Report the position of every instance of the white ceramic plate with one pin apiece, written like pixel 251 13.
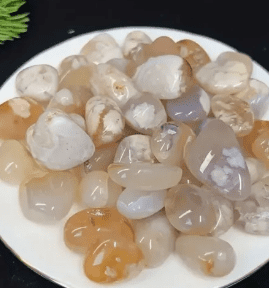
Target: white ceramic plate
pixel 42 248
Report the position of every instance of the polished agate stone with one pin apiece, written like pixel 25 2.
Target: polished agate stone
pixel 155 236
pixel 132 40
pixel 104 120
pixel 256 168
pixel 79 120
pixel 101 159
pixel 113 260
pixel 119 63
pixel 144 113
pixel 234 112
pixel 256 94
pixel 101 49
pixel 193 53
pixel 145 176
pixel 17 115
pixel 166 76
pixel 189 209
pixel 194 105
pixel 260 147
pixel 169 141
pixel 138 204
pixel 58 142
pixel 16 162
pixel 228 74
pixel 98 190
pixel 90 226
pixel 109 81
pixel 47 197
pixel 134 148
pixel 215 159
pixel 187 177
pixel 212 256
pixel 260 192
pixel 39 82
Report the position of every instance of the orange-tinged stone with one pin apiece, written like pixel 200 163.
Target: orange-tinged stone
pixel 260 147
pixel 17 115
pixel 88 226
pixel 260 126
pixel 113 260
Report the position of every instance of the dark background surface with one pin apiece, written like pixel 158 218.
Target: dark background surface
pixel 243 26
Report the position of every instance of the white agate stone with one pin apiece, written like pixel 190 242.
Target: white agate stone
pixel 256 169
pixel 78 119
pixel 40 82
pixel 132 40
pixel 156 237
pixel 138 204
pixel 101 49
pixel 58 142
pixel 161 76
pixel 119 63
pixel 134 148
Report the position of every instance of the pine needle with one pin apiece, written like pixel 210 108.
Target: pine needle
pixel 12 25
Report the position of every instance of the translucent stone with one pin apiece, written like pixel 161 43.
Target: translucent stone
pixel 16 163
pixel 248 140
pixel 193 53
pixel 85 228
pixel 132 40
pixel 79 120
pixel 134 148
pixel 166 76
pixel 256 169
pixel 212 256
pixel 187 177
pixel 101 159
pixel 260 148
pixel 169 141
pixel 234 112
pixel 71 63
pixel 69 102
pixel 113 260
pixel 39 82
pixel 144 113
pixel 17 115
pixel 119 63
pixel 228 74
pixel 101 49
pixel 155 236
pixel 104 120
pixel 257 95
pixel 215 159
pixel 145 176
pixel 109 81
pixel 189 209
pixel 98 190
pixel 47 198
pixel 260 192
pixel 194 105
pixel 138 204
pixel 58 142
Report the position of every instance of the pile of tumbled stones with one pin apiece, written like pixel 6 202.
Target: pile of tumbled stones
pixel 161 147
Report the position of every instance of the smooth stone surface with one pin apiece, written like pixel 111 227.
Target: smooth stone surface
pixel 47 197
pixel 58 142
pixel 144 113
pixel 113 260
pixel 101 49
pixel 194 105
pixel 234 112
pixel 119 63
pixel 215 159
pixel 166 76
pixel 169 141
pixel 138 204
pixel 134 148
pixel 17 115
pixel 256 168
pixel 187 177
pixel 260 148
pixel 90 226
pixel 212 256
pixel 225 75
pixel 189 209
pixel 107 80
pixel 97 190
pixel 155 236
pixel 39 82
pixel 104 120
pixel 145 176
pixel 260 192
